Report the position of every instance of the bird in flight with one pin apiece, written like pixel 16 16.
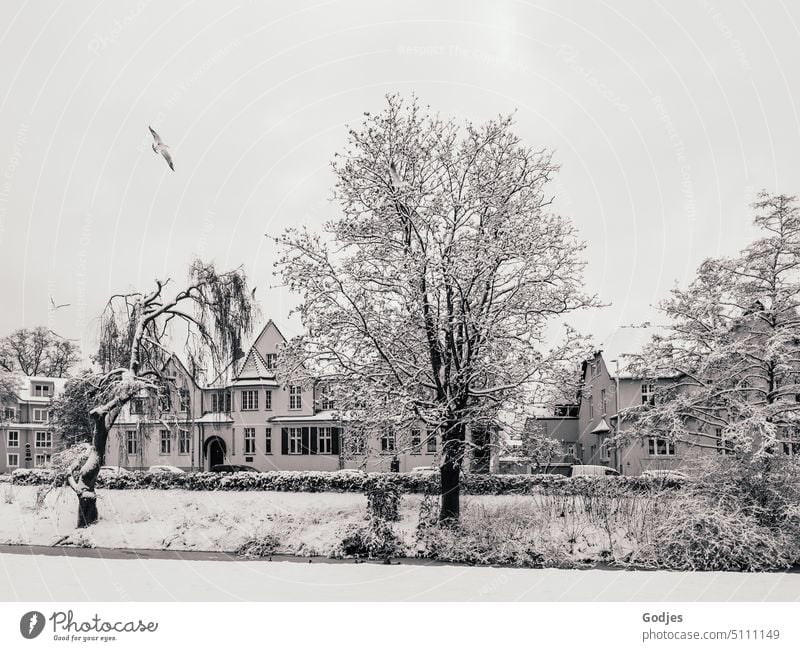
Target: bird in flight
pixel 160 148
pixel 55 307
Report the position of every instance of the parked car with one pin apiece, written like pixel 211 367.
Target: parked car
pixel 170 469
pixel 108 472
pixel 425 470
pixel 230 467
pixel 667 475
pixel 581 470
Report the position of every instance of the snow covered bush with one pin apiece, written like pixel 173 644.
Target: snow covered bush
pixel 699 534
pixel 375 539
pixel 383 498
pixel 259 546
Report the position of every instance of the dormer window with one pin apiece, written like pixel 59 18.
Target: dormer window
pixel 42 391
pixel 271 360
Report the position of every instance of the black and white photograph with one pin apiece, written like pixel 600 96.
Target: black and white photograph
pixel 400 325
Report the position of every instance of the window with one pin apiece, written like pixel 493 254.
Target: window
pixel 40 415
pixel 569 411
pixel 249 440
pixel 591 407
pixel 183 399
pixel 387 442
pixel 268 441
pixel 12 439
pixel 9 413
pixel 132 442
pixel 660 447
pixel 44 439
pixel 295 441
pixel 166 442
pixel 324 441
pixel 649 394
pixel 295 397
pixel 570 450
pixel 12 459
pixel 249 400
pixel 41 390
pixel 431 447
pixel 416 442
pixel 221 402
pixel 271 360
pixel 603 401
pixel 268 399
pixel 724 446
pixel 40 460
pixel 137 405
pixel 164 403
pixel 184 442
pixel 605 450
pixel 326 402
pixel 789 440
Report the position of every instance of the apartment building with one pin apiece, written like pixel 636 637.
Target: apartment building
pixel 26 434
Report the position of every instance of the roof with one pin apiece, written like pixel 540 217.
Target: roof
pixel 602 427
pixel 214 417
pixel 321 416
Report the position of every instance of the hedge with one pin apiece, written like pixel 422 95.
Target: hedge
pixel 313 481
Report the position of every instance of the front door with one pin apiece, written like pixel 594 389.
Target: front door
pixel 215 452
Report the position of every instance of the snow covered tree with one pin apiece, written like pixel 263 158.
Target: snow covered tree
pixel 426 302
pixel 38 351
pixel 733 345
pixel 71 416
pixel 214 311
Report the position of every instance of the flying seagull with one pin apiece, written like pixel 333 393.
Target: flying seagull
pixel 55 307
pixel 160 148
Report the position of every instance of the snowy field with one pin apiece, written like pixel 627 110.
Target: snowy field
pixel 47 578
pixel 306 524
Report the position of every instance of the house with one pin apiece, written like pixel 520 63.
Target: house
pixel 251 420
pixel 26 433
pixel 586 427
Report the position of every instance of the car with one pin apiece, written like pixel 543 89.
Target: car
pixel 230 467
pixel 584 470
pixel 666 475
pixel 109 472
pixel 425 470
pixel 167 469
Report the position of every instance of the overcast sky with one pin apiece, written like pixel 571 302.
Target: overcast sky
pixel 666 119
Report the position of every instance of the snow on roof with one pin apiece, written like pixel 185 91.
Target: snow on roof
pixel 214 417
pixel 325 415
pixel 27 381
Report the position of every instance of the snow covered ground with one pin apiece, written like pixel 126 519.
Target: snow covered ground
pixel 48 578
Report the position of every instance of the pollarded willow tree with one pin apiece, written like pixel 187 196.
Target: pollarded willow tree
pixel 210 314
pixel 426 302
pixel 733 348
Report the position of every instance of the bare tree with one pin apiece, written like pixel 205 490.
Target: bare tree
pixel 213 312
pixel 426 303
pixel 38 351
pixel 733 347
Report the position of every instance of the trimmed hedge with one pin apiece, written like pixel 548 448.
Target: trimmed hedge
pixel 313 481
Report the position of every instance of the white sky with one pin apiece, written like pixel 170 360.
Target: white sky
pixel 666 119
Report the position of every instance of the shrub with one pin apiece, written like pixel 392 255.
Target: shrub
pixel 698 534
pixel 375 539
pixel 259 546
pixel 383 498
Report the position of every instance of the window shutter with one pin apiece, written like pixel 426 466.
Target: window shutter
pixel 304 440
pixel 284 440
pixel 335 440
pixel 314 445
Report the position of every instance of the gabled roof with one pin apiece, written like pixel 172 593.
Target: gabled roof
pixel 254 367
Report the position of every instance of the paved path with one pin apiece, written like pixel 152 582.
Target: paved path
pixel 75 574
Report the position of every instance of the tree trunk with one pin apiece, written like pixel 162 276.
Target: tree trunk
pixel 85 486
pixel 453 453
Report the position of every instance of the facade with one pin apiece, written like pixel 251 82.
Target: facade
pixel 586 427
pixel 252 420
pixel 27 439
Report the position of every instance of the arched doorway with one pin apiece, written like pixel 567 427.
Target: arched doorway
pixel 214 451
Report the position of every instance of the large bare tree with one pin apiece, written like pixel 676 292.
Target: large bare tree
pixel 210 315
pixel 38 351
pixel 426 302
